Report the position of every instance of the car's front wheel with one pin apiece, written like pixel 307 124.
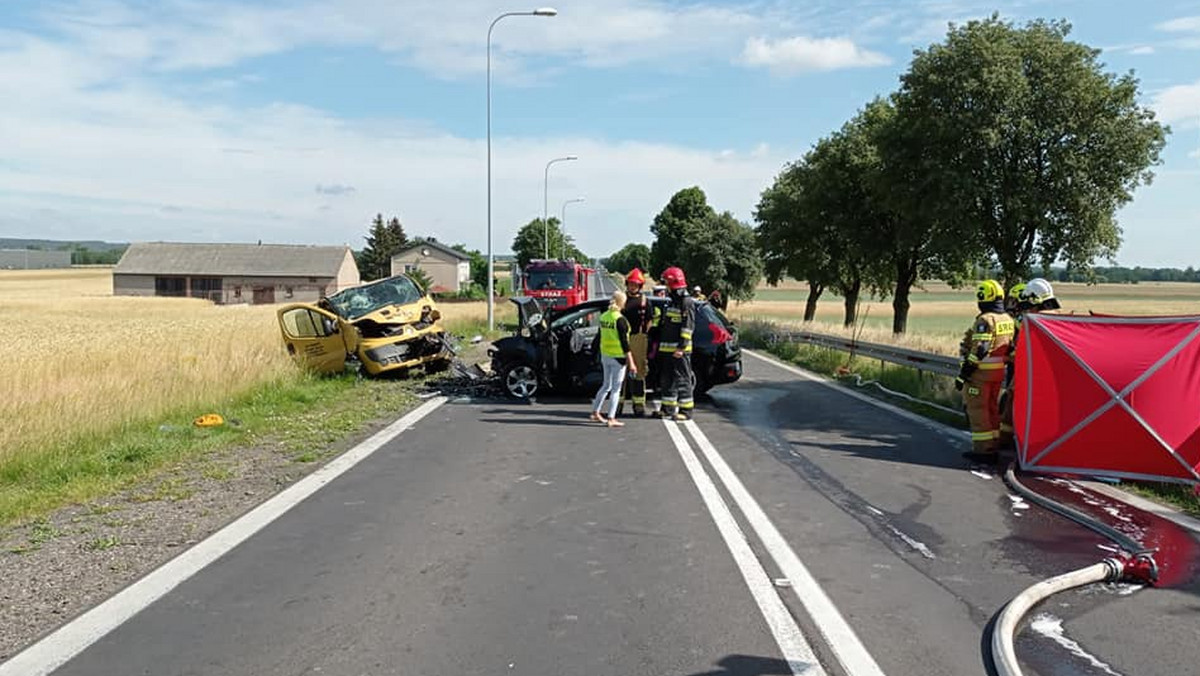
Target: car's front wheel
pixel 520 380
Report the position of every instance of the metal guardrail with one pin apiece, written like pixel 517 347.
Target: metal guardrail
pixel 922 361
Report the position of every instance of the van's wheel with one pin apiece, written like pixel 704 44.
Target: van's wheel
pixel 520 380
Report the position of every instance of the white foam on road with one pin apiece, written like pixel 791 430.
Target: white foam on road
pixel 58 648
pixel 792 644
pixel 1018 503
pixel 1051 627
pixel 845 644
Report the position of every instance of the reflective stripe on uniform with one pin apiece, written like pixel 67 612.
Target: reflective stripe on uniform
pixel 980 337
pixel 985 436
pixel 990 365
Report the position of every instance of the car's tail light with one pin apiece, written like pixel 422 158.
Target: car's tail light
pixel 720 335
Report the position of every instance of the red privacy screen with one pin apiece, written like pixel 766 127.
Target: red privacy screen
pixel 1109 396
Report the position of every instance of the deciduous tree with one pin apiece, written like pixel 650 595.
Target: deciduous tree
pixel 1017 137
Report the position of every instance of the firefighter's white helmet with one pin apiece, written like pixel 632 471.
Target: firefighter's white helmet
pixel 1037 291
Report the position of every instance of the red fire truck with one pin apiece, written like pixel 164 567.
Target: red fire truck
pixel 559 283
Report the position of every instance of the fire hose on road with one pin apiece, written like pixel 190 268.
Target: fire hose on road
pixel 1136 565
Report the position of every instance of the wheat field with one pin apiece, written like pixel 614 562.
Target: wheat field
pixel 940 314
pixel 78 361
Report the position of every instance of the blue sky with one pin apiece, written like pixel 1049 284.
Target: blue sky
pixel 204 120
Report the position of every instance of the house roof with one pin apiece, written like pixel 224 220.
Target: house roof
pixel 434 245
pixel 251 260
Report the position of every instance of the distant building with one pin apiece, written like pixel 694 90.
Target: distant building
pixel 448 269
pixel 235 273
pixel 33 259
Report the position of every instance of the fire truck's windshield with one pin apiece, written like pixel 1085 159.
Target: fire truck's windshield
pixel 541 280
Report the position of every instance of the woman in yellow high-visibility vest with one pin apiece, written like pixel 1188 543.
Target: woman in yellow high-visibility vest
pixel 615 355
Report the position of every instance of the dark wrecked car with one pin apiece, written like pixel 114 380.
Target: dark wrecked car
pixel 389 326
pixel 553 349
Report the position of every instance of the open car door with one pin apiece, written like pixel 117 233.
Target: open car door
pixel 317 339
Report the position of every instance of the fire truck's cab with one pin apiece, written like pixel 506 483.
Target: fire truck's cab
pixel 557 283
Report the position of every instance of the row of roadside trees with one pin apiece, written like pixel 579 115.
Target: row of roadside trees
pixel 1007 147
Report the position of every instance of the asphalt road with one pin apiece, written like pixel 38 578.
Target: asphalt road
pixel 501 538
pixel 602 285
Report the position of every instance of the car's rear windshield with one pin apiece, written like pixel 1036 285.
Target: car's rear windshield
pixel 362 300
pixel 706 317
pixel 541 280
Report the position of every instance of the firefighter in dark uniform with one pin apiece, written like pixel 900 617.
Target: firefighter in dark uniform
pixel 673 396
pixel 1015 306
pixel 984 352
pixel 640 314
pixel 1033 297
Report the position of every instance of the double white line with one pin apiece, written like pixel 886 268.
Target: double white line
pixel 841 639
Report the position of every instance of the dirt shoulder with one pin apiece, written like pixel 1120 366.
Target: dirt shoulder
pixel 57 567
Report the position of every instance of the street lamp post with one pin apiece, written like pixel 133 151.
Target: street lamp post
pixel 546 202
pixel 491 308
pixel 562 252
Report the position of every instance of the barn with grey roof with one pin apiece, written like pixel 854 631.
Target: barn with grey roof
pixel 235 273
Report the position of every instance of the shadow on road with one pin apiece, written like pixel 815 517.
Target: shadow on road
pixel 748 665
pixel 806 415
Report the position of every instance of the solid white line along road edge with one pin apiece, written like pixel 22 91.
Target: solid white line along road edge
pixel 846 646
pixel 796 650
pixel 58 648
pixel 907 415
pixel 1113 492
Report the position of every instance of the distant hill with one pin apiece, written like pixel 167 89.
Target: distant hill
pixel 54 245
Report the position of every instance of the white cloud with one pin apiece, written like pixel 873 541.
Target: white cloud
pixel 804 54
pixel 1142 50
pixel 445 39
pixel 1186 24
pixel 92 151
pixel 1187 27
pixel 1179 104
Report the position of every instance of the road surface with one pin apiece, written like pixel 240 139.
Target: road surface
pixel 601 285
pixel 792 530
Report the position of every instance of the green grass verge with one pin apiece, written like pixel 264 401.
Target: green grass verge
pixel 1183 498
pixel 937 389
pixel 843 368
pixel 305 415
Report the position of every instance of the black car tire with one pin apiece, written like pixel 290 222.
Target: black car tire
pixel 439 366
pixel 519 379
pixel 700 384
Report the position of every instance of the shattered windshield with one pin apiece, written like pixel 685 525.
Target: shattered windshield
pixel 362 300
pixel 540 280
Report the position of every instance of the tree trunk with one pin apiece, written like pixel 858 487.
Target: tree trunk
pixel 852 292
pixel 810 305
pixel 906 277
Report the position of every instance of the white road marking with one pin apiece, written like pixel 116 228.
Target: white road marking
pixel 58 648
pixel 945 430
pixel 846 646
pixel 792 645
pixel 1113 492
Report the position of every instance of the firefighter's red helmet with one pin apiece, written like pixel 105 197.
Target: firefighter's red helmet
pixel 674 279
pixel 635 276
